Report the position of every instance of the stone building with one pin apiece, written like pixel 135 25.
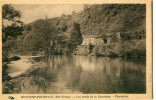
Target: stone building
pixel 93 40
pixel 100 40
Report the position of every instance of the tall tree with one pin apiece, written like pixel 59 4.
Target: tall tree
pixel 13 29
pixel 12 16
pixel 76 37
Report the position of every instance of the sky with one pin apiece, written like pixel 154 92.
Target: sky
pixel 32 12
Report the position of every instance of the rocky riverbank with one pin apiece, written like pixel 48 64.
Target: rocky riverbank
pixel 133 48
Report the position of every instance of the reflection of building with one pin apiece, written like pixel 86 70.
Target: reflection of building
pixel 85 62
pixel 99 40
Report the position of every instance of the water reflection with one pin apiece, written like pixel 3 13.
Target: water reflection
pixel 42 78
pixel 87 74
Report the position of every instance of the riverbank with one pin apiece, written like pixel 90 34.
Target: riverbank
pixel 127 49
pixel 18 72
pixel 19 67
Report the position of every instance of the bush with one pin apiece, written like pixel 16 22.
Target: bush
pixel 5 76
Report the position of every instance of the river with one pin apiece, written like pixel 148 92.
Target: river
pixel 65 74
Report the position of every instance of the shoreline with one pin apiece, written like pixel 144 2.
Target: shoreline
pixel 19 67
pixel 18 80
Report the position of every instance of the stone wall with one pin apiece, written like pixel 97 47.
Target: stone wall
pixel 134 48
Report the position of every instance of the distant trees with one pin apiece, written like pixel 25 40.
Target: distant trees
pixel 113 18
pixel 42 33
pixel 49 35
pixel 62 26
pixel 73 12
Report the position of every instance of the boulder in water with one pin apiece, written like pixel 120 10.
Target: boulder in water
pixel 14 58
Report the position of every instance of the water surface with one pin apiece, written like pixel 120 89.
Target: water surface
pixel 86 74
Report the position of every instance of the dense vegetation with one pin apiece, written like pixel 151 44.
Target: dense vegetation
pixel 63 34
pixel 99 19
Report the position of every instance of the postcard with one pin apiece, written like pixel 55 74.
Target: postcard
pixel 84 49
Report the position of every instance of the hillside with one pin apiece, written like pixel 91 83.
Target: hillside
pixel 97 19
pixel 100 19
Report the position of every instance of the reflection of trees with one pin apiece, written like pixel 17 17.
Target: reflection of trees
pixel 43 78
pixel 116 76
pixel 67 70
pixel 101 80
pixel 133 77
pixel 108 75
pixel 75 77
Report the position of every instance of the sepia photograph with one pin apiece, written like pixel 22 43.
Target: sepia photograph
pixel 74 48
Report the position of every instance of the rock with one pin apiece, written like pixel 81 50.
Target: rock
pixel 14 58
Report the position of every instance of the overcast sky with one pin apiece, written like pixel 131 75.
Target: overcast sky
pixel 31 12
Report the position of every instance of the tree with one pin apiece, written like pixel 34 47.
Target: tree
pixel 62 26
pixel 76 37
pixel 11 15
pixel 73 12
pixel 39 37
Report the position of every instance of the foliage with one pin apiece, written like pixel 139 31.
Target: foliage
pixel 100 19
pixel 62 26
pixel 10 32
pixel 12 15
pixel 38 36
pixel 9 13
pixel 76 37
pixel 5 76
